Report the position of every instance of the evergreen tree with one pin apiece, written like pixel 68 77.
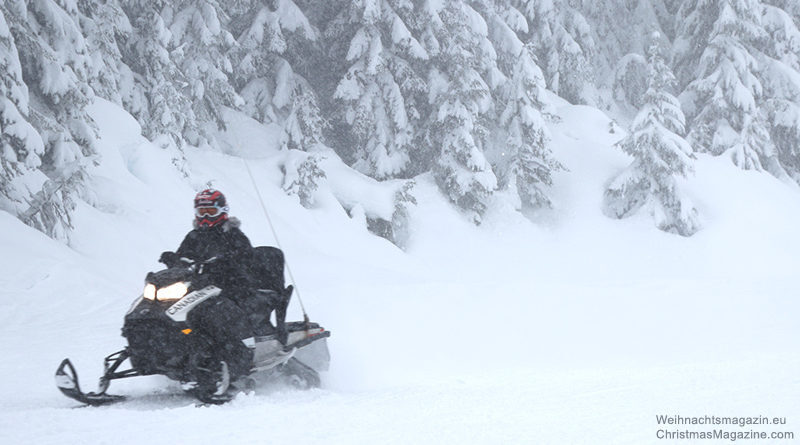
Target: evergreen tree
pixel 617 28
pixel 400 224
pixel 695 21
pixel 374 104
pixel 304 126
pixel 104 25
pixel 57 69
pixel 167 109
pixel 781 81
pixel 461 100
pixel 791 7
pixel 275 47
pixel 723 101
pixel 20 144
pixel 303 176
pixel 667 14
pixel 783 34
pixel 532 162
pixel 630 80
pixel 563 46
pixel 526 162
pixel 659 154
pixel 201 53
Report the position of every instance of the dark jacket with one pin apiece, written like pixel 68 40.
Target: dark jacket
pixel 228 244
pixel 240 270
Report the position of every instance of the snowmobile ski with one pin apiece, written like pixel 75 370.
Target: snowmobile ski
pixel 67 382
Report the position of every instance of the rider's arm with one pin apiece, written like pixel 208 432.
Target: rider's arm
pixel 188 247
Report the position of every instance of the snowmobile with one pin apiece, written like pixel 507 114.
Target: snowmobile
pixel 185 328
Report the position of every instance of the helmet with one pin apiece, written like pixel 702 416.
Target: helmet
pixel 210 208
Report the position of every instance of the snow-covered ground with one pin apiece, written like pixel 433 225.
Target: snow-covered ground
pixel 578 329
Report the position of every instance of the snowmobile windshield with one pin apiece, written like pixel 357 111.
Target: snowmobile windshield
pixel 167 277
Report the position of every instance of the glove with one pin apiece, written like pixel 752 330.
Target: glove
pixel 168 258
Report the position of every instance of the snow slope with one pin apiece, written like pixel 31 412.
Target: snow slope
pixel 578 329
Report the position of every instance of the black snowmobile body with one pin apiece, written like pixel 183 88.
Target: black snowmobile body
pixel 189 329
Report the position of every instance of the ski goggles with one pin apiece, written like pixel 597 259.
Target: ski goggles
pixel 208 211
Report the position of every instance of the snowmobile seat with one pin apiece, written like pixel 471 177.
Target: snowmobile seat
pixel 266 272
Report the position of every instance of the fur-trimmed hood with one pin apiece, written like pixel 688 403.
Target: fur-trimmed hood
pixel 231 223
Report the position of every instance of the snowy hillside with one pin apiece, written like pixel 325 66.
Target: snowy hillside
pixel 458 93
pixel 576 329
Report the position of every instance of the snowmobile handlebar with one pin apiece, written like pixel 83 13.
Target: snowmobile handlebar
pixel 209 265
pixel 172 259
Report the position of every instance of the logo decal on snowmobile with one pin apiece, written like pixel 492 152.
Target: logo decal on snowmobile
pixel 179 310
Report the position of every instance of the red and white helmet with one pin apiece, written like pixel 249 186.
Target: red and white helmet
pixel 210 208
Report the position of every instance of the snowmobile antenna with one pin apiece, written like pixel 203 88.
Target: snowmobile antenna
pixel 277 241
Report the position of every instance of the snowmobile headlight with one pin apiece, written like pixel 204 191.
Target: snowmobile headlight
pixel 149 291
pixel 172 292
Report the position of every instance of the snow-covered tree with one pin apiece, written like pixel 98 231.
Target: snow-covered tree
pixel 274 52
pixel 659 154
pixel 461 99
pixel 303 127
pixel 780 74
pixel 791 7
pixel 617 28
pixel 303 176
pixel 404 200
pixel 525 162
pixel 781 22
pixel 666 12
pixel 695 22
pixel 167 109
pixel 57 69
pixel 630 80
pixel 201 53
pixel 723 102
pixel 371 89
pixel 104 26
pixel 20 143
pixel 563 45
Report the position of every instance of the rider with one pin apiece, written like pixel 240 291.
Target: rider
pixel 217 235
pixel 238 268
pixel 218 243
